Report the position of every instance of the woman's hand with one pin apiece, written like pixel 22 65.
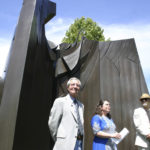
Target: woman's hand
pixel 116 135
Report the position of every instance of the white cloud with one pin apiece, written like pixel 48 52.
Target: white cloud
pixel 4 49
pixel 55 31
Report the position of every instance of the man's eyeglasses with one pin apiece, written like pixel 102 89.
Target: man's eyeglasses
pixel 145 100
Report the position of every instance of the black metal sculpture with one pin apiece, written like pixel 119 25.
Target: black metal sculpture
pixel 37 73
pixel 27 92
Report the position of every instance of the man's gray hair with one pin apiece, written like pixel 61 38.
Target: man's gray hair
pixel 73 78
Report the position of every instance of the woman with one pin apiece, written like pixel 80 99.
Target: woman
pixel 103 127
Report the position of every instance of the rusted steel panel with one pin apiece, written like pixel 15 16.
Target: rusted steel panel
pixel 27 94
pixel 122 82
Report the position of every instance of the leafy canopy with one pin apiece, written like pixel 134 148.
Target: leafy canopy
pixel 87 28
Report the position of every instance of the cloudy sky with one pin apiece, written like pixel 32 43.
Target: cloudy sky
pixel 120 19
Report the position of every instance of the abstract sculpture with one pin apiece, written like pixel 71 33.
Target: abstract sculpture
pixel 37 73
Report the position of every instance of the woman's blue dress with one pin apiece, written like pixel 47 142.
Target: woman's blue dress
pixel 103 123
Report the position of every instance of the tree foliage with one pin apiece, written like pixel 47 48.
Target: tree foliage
pixel 87 28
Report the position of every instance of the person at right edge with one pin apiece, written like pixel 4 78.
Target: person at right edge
pixel 141 118
pixel 104 128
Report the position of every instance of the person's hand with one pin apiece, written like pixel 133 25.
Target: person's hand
pixel 148 136
pixel 116 135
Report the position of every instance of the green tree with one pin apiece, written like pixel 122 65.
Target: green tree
pixel 87 28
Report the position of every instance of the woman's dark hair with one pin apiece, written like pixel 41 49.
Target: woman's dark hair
pixel 98 108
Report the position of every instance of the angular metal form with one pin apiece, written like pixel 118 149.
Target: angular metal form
pixel 1 87
pixel 37 73
pixel 27 93
pixel 108 70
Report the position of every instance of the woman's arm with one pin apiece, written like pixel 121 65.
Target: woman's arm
pixel 96 126
pixel 108 135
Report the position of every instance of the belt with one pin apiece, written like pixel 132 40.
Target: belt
pixel 80 137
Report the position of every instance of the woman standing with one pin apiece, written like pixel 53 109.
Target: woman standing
pixel 103 127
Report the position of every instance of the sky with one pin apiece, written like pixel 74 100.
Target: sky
pixel 120 19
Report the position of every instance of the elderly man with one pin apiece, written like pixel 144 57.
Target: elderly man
pixel 66 119
pixel 141 119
